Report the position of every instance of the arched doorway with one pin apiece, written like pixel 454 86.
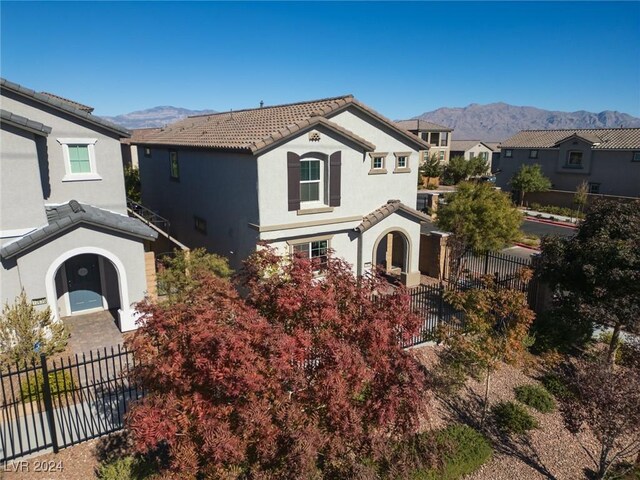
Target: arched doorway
pixel 86 280
pixel 391 255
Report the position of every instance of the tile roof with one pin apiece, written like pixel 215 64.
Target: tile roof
pixel 63 105
pixel 24 123
pixel 495 146
pixel 64 217
pixel 73 104
pixel 140 134
pixel 387 209
pixel 256 129
pixel 417 124
pixel 608 138
pixel 464 145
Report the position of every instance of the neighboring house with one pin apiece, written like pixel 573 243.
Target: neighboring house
pixel 437 136
pixel 304 177
pixel 65 236
pixel 607 159
pixel 129 148
pixel 471 148
pixel 495 155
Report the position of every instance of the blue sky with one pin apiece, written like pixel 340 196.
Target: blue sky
pixel 400 58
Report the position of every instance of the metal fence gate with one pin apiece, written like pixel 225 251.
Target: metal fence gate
pixel 56 404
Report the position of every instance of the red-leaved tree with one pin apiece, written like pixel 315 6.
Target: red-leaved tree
pixel 303 379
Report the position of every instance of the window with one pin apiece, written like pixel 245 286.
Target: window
pixel 594 188
pixel 636 157
pixel 508 153
pixel 533 153
pixel 174 165
pixel 424 136
pixel 484 156
pixel 435 138
pixel 377 163
pixel 402 162
pixel 200 224
pixel 79 158
pixel 444 139
pixel 80 162
pixel 310 180
pixel 147 152
pixel 315 250
pixel 574 159
pixel 425 156
pixel 441 154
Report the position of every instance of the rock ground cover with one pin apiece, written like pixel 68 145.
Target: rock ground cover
pixel 548 452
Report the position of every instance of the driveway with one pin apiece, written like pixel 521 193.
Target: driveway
pixel 93 331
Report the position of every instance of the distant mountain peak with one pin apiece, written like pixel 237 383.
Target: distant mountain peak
pixel 499 121
pixel 155 117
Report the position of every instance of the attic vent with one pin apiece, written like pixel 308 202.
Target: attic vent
pixel 314 137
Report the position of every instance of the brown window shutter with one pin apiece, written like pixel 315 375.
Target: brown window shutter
pixel 293 180
pixel 335 174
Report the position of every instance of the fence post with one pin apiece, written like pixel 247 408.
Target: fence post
pixel 440 302
pixel 48 403
pixel 486 262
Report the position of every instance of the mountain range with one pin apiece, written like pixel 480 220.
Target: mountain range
pixel 154 117
pixel 495 122
pixel 492 122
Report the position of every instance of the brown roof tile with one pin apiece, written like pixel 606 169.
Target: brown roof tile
pixel 258 128
pixel 387 209
pixel 603 138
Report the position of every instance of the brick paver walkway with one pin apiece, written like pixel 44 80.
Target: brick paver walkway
pixel 93 331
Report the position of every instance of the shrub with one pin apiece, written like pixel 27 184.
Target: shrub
pixel 536 397
pixel 513 418
pixel 32 388
pixel 556 385
pixel 447 454
pixel 25 332
pixel 432 186
pixel 126 468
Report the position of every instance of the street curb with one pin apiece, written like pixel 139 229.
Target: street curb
pixel 524 245
pixel 551 222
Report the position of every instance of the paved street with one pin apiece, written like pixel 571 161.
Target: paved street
pixel 541 229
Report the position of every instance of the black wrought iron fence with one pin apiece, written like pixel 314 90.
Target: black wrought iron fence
pixel 58 403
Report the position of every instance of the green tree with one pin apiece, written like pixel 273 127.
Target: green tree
pixel 132 183
pixel 596 273
pixel 182 273
pixel 529 179
pixel 495 329
pixel 456 170
pixel 477 166
pixel 432 168
pixel 26 332
pixel 481 218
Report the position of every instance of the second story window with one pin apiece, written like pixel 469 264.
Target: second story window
pixel 402 162
pixel 574 159
pixel 444 140
pixel 79 158
pixel 378 161
pixel 310 180
pixel 147 152
pixel 174 165
pixel 533 153
pixel 508 153
pixel 435 138
pixel 636 157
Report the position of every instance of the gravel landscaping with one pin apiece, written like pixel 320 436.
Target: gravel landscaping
pixel 548 452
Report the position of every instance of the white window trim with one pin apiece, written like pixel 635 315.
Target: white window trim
pixel 309 240
pixel 322 187
pixel 79 177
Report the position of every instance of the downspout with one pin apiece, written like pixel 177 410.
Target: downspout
pixel 359 263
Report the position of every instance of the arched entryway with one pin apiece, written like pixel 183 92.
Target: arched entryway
pixel 86 280
pixel 391 254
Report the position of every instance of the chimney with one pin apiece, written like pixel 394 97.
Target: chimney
pixel 261 103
